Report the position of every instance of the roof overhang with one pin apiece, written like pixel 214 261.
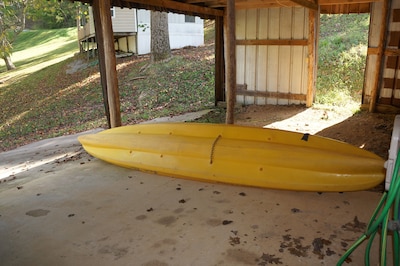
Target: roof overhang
pixel 215 8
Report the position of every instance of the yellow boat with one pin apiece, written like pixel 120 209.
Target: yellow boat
pixel 239 155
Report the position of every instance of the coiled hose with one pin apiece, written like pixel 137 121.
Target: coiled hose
pixel 380 220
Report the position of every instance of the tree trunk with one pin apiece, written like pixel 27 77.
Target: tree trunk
pixel 9 63
pixel 160 47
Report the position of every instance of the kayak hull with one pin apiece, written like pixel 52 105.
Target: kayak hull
pixel 239 155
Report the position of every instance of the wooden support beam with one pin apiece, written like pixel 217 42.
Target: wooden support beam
pixel 312 30
pixel 270 94
pixel 308 4
pixel 219 61
pixel 230 60
pixel 177 7
pixel 380 54
pixel 272 42
pixel 107 61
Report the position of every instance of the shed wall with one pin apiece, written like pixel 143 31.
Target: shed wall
pixel 272 72
pixel 382 73
pixel 390 85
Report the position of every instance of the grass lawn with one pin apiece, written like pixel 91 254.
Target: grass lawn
pixel 40 99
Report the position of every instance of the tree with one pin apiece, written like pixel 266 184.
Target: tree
pixel 160 47
pixel 53 14
pixel 12 23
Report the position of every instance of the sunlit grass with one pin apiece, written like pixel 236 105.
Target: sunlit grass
pixel 341 59
pixel 37 49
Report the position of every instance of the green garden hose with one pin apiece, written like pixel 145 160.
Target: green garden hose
pixel 380 220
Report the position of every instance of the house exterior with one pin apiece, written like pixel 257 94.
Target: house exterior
pixel 131 28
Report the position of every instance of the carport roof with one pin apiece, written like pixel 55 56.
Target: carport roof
pixel 215 8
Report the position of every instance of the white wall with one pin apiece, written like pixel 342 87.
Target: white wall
pixel 181 33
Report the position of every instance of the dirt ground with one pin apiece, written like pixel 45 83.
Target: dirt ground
pixel 370 131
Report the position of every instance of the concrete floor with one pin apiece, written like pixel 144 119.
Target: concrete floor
pixel 60 206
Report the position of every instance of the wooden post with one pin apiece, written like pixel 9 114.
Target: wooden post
pixel 107 60
pixel 219 61
pixel 380 55
pixel 311 57
pixel 230 60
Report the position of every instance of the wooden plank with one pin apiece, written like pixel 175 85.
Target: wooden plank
pixel 177 7
pixel 341 2
pixel 387 52
pixel 383 27
pixel 305 3
pixel 108 66
pixel 230 56
pixel 273 42
pixel 219 60
pixel 312 22
pixel 392 52
pixel 276 95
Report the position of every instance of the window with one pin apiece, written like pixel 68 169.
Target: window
pixel 112 11
pixel 189 19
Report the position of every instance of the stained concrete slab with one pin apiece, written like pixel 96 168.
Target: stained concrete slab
pixel 60 206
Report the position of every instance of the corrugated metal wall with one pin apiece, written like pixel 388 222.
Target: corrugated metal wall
pixel 272 55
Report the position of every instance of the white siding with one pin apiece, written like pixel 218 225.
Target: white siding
pixel 181 33
pixel 124 20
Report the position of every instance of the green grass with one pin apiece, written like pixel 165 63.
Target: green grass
pixel 50 103
pixel 341 59
pixel 35 49
pixel 39 100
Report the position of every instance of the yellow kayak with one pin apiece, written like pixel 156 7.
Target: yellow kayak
pixel 239 155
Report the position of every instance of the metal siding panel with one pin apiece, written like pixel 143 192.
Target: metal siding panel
pixel 240 24
pixel 251 58
pixel 305 71
pixel 285 23
pixel 261 82
pixel 241 59
pixel 296 77
pixel 272 75
pixel 284 72
pixel 298 23
pixel 251 24
pixel 273 22
pixel 250 71
pixel 263 24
